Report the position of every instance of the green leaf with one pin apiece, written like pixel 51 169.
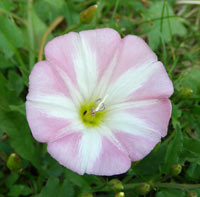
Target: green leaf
pixel 10 36
pixel 18 108
pixel 15 82
pixel 7 97
pixel 4 62
pixel 190 78
pixel 18 190
pixel 77 180
pixel 54 188
pixel 189 156
pixel 192 145
pixel 170 193
pixel 48 10
pixel 15 125
pixel 162 23
pixel 176 114
pixel 173 152
pixel 54 168
pixel 11 179
pixel 5 149
pixel 39 28
pixel 58 4
pixel 66 189
pixel 7 4
pixel 5 45
pixel 51 188
pixel 193 172
pixel 150 165
pixel 11 31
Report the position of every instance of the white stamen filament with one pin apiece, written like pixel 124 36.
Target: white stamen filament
pixel 99 106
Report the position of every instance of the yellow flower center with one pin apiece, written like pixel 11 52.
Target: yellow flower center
pixel 92 114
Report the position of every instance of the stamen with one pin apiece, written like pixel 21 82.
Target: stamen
pixel 93 113
pixel 99 106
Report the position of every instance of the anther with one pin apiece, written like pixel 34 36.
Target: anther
pixel 99 106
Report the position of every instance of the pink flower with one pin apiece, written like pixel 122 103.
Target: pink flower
pixel 99 101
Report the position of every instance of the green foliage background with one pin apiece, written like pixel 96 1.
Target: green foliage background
pixel 172 30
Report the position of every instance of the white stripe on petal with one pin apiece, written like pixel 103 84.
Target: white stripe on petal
pixel 76 96
pixel 59 100
pixel 129 82
pixel 90 148
pixel 74 127
pixel 131 104
pixel 108 133
pixel 90 63
pixel 55 106
pixel 84 60
pixel 125 122
pixel 105 79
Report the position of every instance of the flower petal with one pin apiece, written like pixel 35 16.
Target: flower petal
pixel 98 42
pixel 147 81
pixel 137 73
pixel 82 56
pixel 133 52
pixel 111 161
pixel 44 127
pixel 45 80
pixel 66 151
pixel 48 107
pixel 156 87
pixel 149 117
pixel 137 146
pixel 139 126
pixel 86 148
pixel 89 153
pixel 155 115
pixel 126 122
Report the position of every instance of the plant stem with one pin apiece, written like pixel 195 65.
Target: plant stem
pixel 31 36
pixel 131 185
pixel 115 9
pixel 53 25
pixel 71 28
pixel 173 66
pixel 22 67
pixel 157 185
pixel 14 16
pixel 177 185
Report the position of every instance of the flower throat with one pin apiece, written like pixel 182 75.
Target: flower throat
pixel 92 114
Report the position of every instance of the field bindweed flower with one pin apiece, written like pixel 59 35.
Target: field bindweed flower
pixel 99 101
